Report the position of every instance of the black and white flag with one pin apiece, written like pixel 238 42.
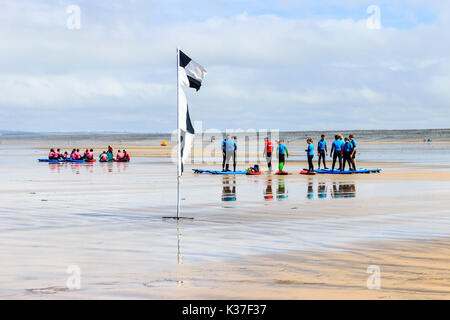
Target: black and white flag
pixel 190 74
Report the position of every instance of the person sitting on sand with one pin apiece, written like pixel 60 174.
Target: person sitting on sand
pixel 89 155
pixel 85 154
pixel 103 156
pixel 76 155
pixel 282 155
pixel 254 169
pixel 110 153
pixel 310 154
pixel 126 156
pixel 51 154
pixel 119 155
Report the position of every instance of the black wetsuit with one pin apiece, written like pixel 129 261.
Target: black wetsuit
pixel 347 159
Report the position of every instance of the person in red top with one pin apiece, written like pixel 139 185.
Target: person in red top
pixel 51 154
pixel 126 156
pixel 89 155
pixel 268 152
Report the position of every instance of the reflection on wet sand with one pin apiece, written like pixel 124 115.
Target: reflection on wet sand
pixel 343 190
pixel 310 191
pixel 268 193
pixel 89 167
pixel 338 190
pixel 281 189
pixel 228 188
pixel 322 190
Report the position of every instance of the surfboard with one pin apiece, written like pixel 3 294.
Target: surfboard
pixel 282 173
pixel 336 171
pixel 307 172
pixel 50 160
pixel 218 172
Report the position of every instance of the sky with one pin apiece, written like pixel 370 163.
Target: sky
pixel 287 64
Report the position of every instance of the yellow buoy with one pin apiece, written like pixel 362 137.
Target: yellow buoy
pixel 164 143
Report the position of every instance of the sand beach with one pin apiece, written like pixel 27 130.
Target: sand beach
pixel 243 237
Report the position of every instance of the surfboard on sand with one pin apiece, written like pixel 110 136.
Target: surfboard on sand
pixel 282 173
pixel 218 172
pixel 307 172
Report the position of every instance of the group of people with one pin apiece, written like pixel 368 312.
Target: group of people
pixel 88 155
pixel 122 156
pixel 74 155
pixel 343 151
pixel 283 153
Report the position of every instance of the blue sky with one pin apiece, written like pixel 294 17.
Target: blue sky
pixel 288 65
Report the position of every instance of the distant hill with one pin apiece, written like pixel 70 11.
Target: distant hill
pixel 14 133
pixel 20 133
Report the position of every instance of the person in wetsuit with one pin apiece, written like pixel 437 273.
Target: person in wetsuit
pixel 234 154
pixel 229 151
pixel 268 152
pixel 224 156
pixel 310 154
pixel 347 153
pixel 353 155
pixel 322 150
pixel 282 155
pixel 336 152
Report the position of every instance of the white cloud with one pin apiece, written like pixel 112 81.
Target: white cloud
pixel 263 64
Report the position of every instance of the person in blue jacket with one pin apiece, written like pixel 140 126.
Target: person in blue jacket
pixel 347 153
pixel 336 152
pixel 230 147
pixel 224 157
pixel 310 154
pixel 322 150
pixel 282 155
pixel 353 155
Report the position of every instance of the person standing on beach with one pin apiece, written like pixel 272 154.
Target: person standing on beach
pixel 322 150
pixel 234 153
pixel 336 152
pixel 282 155
pixel 310 153
pixel 353 155
pixel 347 149
pixel 224 156
pixel 268 152
pixel 229 151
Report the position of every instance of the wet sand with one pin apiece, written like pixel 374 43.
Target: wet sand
pixel 272 237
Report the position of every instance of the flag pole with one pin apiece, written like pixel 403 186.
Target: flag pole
pixel 178 137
